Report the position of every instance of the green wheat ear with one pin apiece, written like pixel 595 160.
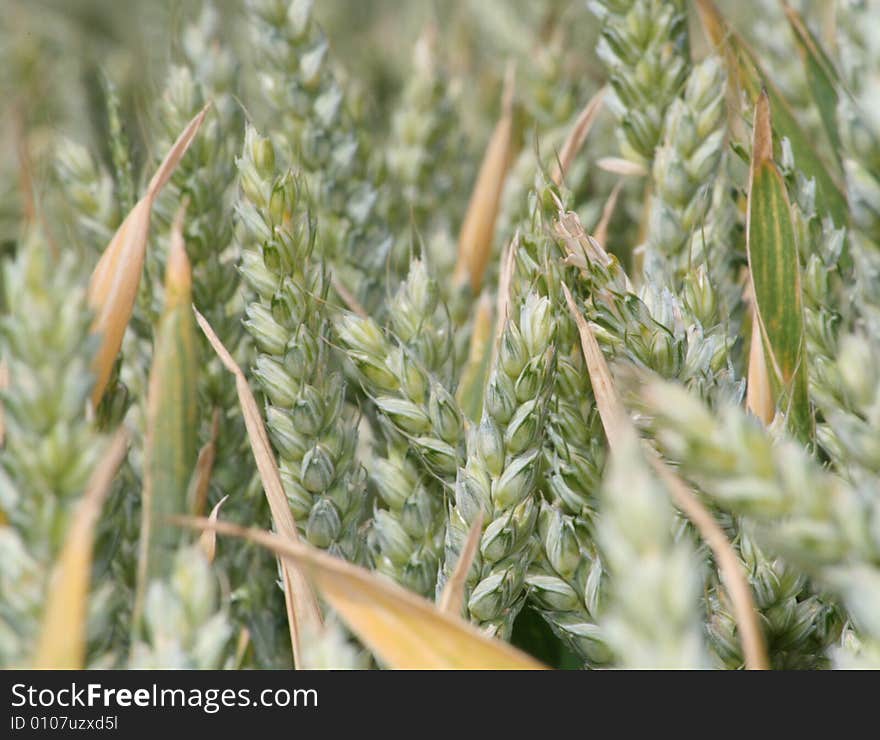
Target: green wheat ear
pixel 312 430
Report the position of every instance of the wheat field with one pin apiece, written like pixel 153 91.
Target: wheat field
pixel 476 334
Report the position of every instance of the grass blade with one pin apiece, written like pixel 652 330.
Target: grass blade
pixel 775 278
pixel 62 642
pixel 114 284
pixel 614 419
pixel 478 228
pixel 403 630
pixel 577 136
pixel 303 614
pixel 172 419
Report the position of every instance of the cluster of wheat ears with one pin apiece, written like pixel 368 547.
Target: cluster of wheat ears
pixel 580 369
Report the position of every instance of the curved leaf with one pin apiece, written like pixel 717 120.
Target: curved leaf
pixel 403 630
pixel 114 284
pixel 303 614
pixel 62 642
pixel 478 229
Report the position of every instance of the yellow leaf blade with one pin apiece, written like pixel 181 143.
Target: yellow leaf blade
pixel 403 630
pixel 614 418
pixel 478 228
pixel 113 290
pixel 62 641
pixel 577 136
pixel 115 279
pixel 303 614
pixel 175 154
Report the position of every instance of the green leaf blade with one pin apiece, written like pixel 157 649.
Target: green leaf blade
pixel 829 195
pixel 172 412
pixel 775 274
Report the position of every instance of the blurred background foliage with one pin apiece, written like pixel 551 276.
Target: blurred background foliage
pixel 58 58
